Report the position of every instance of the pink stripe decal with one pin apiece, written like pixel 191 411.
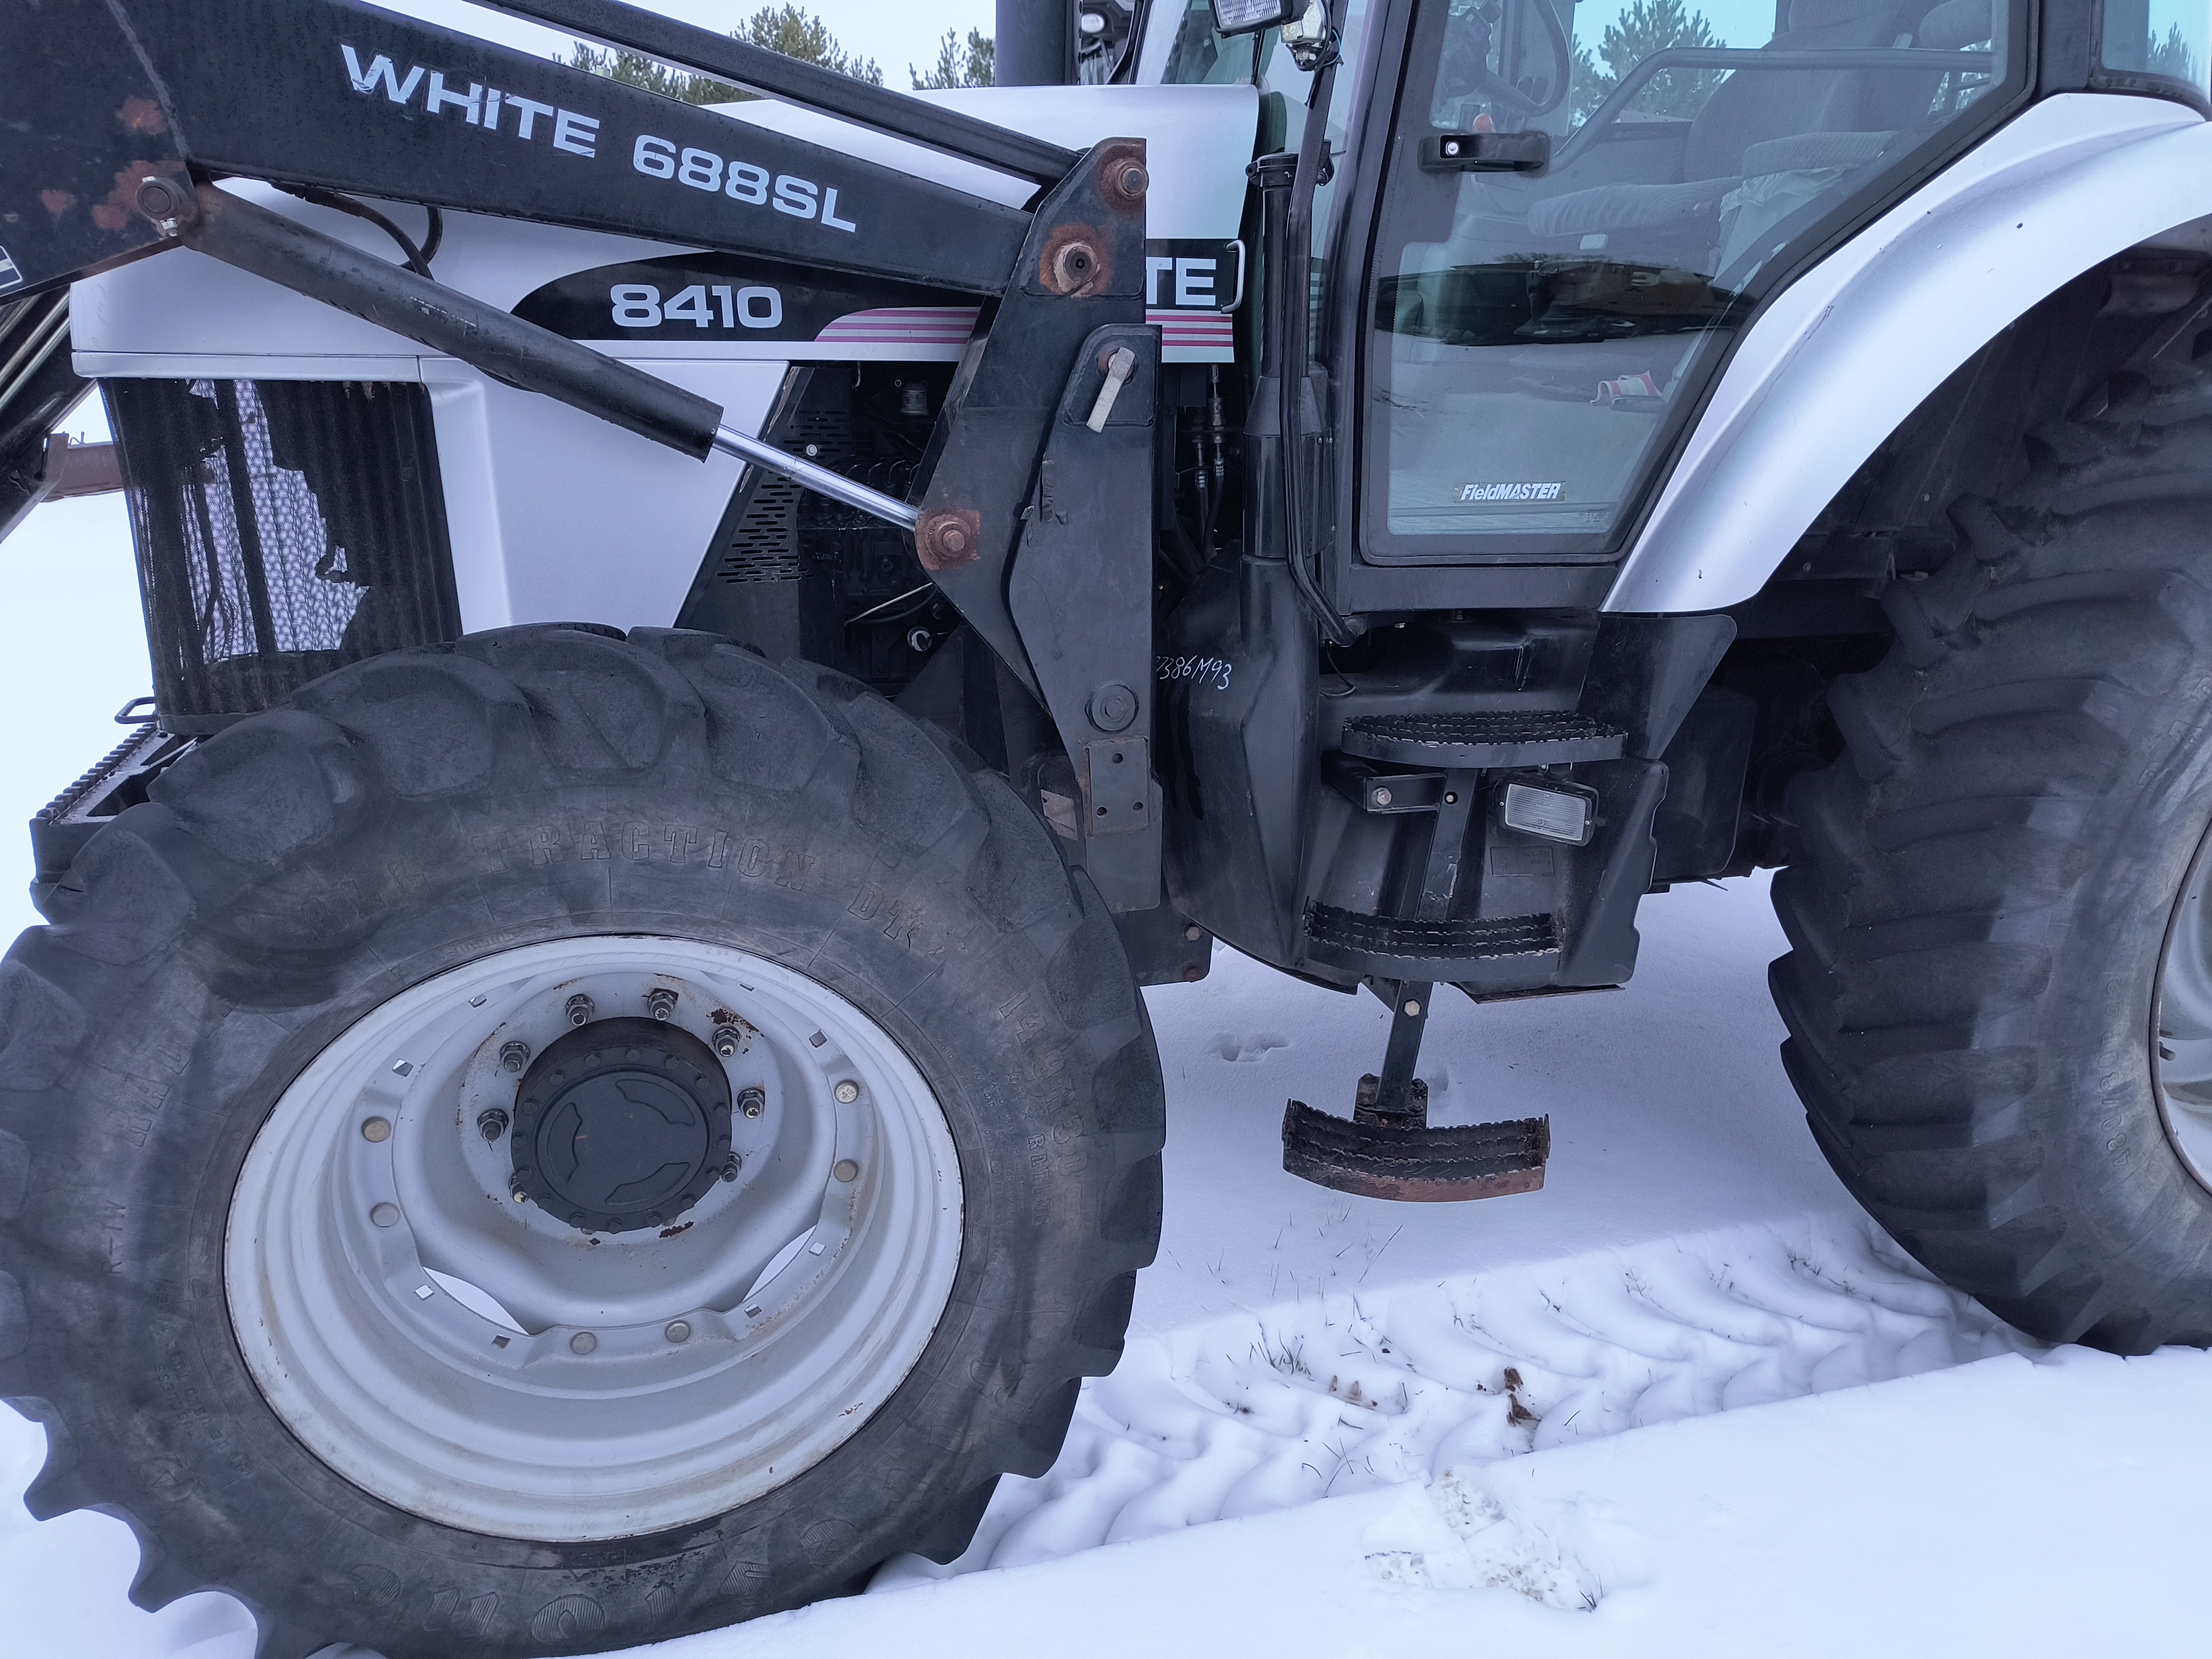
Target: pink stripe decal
pixel 903 325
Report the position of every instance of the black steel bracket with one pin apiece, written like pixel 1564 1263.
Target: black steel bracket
pixel 1081 594
pixel 1035 521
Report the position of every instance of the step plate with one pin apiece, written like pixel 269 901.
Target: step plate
pixel 1474 939
pixel 1547 737
pixel 1412 1164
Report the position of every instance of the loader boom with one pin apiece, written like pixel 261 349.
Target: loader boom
pixel 370 102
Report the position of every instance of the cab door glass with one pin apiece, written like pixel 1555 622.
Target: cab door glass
pixel 2169 39
pixel 1531 332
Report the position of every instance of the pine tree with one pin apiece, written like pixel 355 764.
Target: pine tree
pixel 957 66
pixel 1647 27
pixel 784 29
pixel 2172 56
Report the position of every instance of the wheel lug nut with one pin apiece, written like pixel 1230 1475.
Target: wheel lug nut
pixel 514 1056
pixel 520 1196
pixel 581 1010
pixel 660 1003
pixel 679 1330
pixel 752 1101
pixel 491 1123
pixel 848 1093
pixel 731 1038
pixel 730 1170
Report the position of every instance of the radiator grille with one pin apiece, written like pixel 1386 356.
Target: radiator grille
pixel 282 528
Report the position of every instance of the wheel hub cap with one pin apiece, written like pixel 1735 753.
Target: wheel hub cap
pixel 621 1124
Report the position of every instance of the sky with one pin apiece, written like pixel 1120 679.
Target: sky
pixel 895 35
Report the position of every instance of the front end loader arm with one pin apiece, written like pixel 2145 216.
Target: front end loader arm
pixel 1035 508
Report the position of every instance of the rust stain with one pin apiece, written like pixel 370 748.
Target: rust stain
pixel 115 213
pixel 670 1232
pixel 142 115
pixel 1075 263
pixel 57 202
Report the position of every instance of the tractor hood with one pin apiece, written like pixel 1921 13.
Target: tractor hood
pixel 1198 140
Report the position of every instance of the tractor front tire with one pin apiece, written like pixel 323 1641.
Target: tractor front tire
pixel 352 1305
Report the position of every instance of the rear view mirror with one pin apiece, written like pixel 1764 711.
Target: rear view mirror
pixel 1249 16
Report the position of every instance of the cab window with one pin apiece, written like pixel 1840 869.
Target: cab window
pixel 1532 333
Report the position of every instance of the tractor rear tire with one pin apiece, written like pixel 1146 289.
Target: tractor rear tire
pixel 1997 920
pixel 417 838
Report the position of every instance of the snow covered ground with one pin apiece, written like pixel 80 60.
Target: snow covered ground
pixel 1684 1401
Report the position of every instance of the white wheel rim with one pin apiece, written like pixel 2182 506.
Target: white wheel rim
pixel 2181 1025
pixel 476 1362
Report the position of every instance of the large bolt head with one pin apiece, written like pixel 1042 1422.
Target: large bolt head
pixel 161 199
pixel 1113 707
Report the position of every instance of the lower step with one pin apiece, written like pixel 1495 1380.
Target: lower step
pixel 1476 939
pixel 1542 736
pixel 1412 1163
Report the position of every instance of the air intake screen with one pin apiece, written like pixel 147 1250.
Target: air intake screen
pixel 283 528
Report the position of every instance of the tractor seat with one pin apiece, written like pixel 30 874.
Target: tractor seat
pixel 1763 123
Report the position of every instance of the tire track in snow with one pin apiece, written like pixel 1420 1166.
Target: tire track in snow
pixel 1347 1392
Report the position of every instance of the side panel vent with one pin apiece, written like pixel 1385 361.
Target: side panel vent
pixel 765 547
pixel 283 528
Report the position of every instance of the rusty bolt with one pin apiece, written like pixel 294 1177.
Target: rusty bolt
pixel 660 1003
pixel 514 1056
pixel 731 1038
pixel 491 1123
pixel 1121 176
pixel 752 1101
pixel 948 537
